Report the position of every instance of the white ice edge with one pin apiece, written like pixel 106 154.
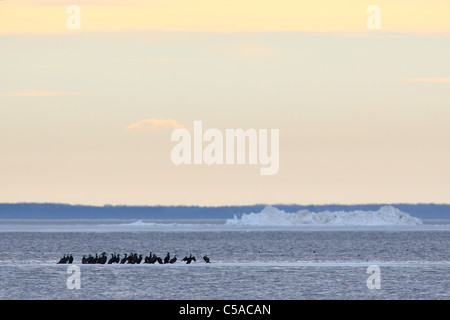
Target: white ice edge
pixel 385 216
pixel 161 227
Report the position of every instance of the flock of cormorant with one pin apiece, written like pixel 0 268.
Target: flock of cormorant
pixel 132 258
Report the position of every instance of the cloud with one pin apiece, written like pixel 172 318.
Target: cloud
pixel 40 94
pixel 153 124
pixel 427 80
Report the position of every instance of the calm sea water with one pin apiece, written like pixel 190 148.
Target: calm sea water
pixel 246 263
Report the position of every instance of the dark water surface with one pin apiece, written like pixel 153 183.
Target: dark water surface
pixel 245 264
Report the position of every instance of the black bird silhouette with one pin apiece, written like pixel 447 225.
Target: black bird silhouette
pixel 189 259
pixel 112 259
pixel 103 258
pixel 167 258
pixel 62 260
pixel 153 258
pixel 132 258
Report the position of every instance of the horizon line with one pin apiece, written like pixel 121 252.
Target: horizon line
pixel 229 205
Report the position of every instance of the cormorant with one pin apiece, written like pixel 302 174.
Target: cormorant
pixel 173 260
pixel 189 259
pixel 103 258
pixel 167 258
pixel 153 259
pixel 62 260
pixel 130 258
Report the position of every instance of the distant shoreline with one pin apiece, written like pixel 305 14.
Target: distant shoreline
pixel 57 211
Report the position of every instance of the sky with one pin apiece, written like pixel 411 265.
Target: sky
pixel 86 114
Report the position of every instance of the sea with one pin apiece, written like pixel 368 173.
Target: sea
pixel 246 262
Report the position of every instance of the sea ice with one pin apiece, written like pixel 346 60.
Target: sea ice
pixel 271 216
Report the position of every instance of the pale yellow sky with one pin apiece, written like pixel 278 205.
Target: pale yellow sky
pixel 348 16
pixel 86 115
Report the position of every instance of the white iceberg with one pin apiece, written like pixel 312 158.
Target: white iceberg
pixel 271 216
